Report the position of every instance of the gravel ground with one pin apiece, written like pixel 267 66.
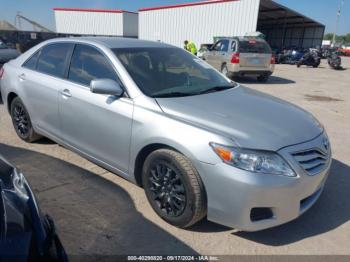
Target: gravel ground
pixel 98 213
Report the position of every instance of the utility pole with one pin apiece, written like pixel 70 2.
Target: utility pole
pixel 337 21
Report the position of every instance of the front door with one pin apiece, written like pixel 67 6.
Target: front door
pixel 97 125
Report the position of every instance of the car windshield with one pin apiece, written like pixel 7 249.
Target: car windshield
pixel 170 72
pixel 254 46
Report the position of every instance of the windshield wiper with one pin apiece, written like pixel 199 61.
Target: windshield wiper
pixel 173 94
pixel 215 89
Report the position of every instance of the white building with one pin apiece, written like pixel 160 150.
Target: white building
pixel 202 21
pixel 96 22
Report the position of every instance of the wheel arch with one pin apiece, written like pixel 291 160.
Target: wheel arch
pixel 223 64
pixel 10 97
pixel 142 155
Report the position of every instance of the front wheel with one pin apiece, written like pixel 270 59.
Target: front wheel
pixel 174 188
pixel 21 121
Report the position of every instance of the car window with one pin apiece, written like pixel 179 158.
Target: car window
pixel 233 46
pixel 31 62
pixel 217 46
pixel 222 45
pixel 88 64
pixel 254 46
pixel 52 59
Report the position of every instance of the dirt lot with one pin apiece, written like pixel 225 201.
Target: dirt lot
pixel 97 212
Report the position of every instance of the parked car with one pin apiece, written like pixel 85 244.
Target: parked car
pixel 26 235
pixel 240 56
pixel 198 143
pixel 345 50
pixel 203 49
pixel 6 53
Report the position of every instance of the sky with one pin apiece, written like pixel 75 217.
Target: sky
pixel 41 11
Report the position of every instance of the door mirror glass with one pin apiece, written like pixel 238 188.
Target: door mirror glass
pixel 106 87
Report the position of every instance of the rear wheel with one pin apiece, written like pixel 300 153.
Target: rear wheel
pixel 21 121
pixel 173 188
pixel 224 71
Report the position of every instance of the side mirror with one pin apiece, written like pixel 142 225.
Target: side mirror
pixel 106 87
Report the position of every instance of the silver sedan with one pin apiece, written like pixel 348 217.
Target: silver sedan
pixel 198 143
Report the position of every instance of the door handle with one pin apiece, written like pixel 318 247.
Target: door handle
pixel 66 93
pixel 22 77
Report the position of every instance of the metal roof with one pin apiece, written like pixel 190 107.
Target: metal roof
pixel 4 25
pixel 92 10
pixel 274 14
pixel 270 13
pixel 185 5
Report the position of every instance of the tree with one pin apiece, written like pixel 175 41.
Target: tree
pixel 328 36
pixel 338 38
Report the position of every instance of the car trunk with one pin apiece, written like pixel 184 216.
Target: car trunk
pixel 254 53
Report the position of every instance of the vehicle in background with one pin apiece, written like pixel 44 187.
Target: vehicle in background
pixel 289 56
pixel 7 53
pixel 240 56
pixel 333 59
pixel 345 50
pixel 203 49
pixel 310 58
pixel 198 143
pixel 25 234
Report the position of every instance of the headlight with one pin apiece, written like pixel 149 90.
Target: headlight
pixel 253 160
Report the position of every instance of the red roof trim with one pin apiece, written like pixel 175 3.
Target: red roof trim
pixel 92 10
pixel 185 5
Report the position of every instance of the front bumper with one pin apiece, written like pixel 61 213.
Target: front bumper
pixel 233 194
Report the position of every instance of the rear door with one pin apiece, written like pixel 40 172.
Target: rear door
pixel 97 125
pixel 254 54
pixel 41 77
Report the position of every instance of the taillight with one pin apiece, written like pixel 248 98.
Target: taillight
pixel 235 58
pixel 2 71
pixel 273 60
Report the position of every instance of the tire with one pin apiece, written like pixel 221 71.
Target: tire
pixel 21 121
pixel 174 188
pixel 316 65
pixel 263 78
pixel 224 70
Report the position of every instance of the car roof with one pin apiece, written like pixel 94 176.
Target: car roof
pixel 113 42
pixel 243 38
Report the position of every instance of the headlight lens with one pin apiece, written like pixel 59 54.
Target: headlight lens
pixel 253 160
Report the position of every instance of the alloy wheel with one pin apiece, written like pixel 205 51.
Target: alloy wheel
pixel 21 120
pixel 167 189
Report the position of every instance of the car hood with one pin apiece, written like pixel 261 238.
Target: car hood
pixel 251 118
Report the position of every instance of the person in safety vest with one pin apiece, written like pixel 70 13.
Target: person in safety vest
pixel 190 47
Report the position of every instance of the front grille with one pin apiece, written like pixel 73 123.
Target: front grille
pixel 313 161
